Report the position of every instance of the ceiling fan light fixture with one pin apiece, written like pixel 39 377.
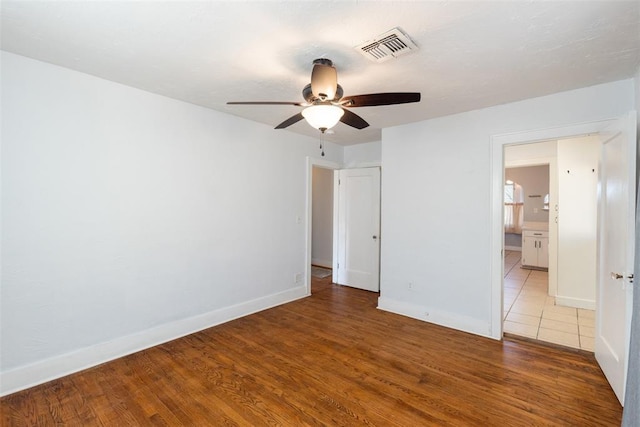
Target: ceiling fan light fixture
pixel 323 117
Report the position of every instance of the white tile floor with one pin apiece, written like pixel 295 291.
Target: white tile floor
pixel 530 312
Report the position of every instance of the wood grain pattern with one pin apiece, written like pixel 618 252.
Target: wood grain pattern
pixel 331 359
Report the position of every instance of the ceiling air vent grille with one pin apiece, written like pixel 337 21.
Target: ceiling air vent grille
pixel 387 46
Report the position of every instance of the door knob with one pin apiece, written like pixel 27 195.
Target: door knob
pixel 616 276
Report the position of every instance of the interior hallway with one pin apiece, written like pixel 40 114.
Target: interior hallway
pixel 530 312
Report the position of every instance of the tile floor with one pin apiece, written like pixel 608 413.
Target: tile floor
pixel 530 312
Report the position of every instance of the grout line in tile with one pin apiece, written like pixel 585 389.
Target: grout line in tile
pixel 533 283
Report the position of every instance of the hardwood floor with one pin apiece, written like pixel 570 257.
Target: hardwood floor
pixel 331 359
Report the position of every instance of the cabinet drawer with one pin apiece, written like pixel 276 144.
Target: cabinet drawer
pixel 535 234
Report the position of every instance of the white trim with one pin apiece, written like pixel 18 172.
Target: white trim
pixel 496 209
pixel 49 369
pixel 541 161
pixel 336 212
pixel 427 314
pixel 576 302
pixel 321 262
pixel 326 164
pixel 513 248
pixel 375 164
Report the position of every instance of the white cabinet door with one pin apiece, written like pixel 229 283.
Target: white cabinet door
pixel 529 250
pixel 543 252
pixel 535 248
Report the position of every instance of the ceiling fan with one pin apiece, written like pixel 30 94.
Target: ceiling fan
pixel 326 105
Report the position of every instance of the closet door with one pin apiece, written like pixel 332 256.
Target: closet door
pixel 358 242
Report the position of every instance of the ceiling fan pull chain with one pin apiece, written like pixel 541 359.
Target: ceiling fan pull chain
pixel 321 149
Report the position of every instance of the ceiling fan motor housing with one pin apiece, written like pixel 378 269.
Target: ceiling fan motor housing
pixel 307 94
pixel 324 79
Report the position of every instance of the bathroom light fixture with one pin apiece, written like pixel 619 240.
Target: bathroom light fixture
pixel 322 117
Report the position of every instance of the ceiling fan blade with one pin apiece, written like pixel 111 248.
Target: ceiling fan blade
pixel 324 79
pixel 353 120
pixel 291 120
pixel 373 99
pixel 299 104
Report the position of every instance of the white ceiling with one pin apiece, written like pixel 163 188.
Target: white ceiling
pixel 471 54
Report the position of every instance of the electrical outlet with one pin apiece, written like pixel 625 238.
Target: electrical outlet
pixel 411 286
pixel 297 278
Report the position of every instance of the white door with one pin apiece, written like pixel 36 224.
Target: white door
pixel 615 245
pixel 358 234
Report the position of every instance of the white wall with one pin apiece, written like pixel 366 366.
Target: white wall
pixel 529 154
pixel 436 203
pixel 322 224
pixel 362 155
pixel 578 160
pixel 129 218
pixel 535 185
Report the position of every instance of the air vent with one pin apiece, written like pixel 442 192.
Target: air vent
pixel 387 46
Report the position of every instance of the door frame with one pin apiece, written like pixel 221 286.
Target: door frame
pixel 498 142
pixel 325 164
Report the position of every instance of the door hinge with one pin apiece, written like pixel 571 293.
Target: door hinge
pixel 338 182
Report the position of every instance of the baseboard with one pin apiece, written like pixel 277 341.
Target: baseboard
pixel 513 248
pixel 31 375
pixel 576 302
pixel 321 262
pixel 428 314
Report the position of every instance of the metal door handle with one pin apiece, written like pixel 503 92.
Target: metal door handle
pixel 375 237
pixel 616 276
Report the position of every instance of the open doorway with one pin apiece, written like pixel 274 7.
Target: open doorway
pixel 547 247
pixel 319 220
pixel 353 199
pixel 604 130
pixel 322 223
pixel 614 230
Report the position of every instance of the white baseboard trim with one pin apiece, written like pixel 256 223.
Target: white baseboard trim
pixel 23 377
pixel 513 248
pixel 576 302
pixel 427 314
pixel 321 262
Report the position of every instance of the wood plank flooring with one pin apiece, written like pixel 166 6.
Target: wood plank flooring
pixel 331 359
